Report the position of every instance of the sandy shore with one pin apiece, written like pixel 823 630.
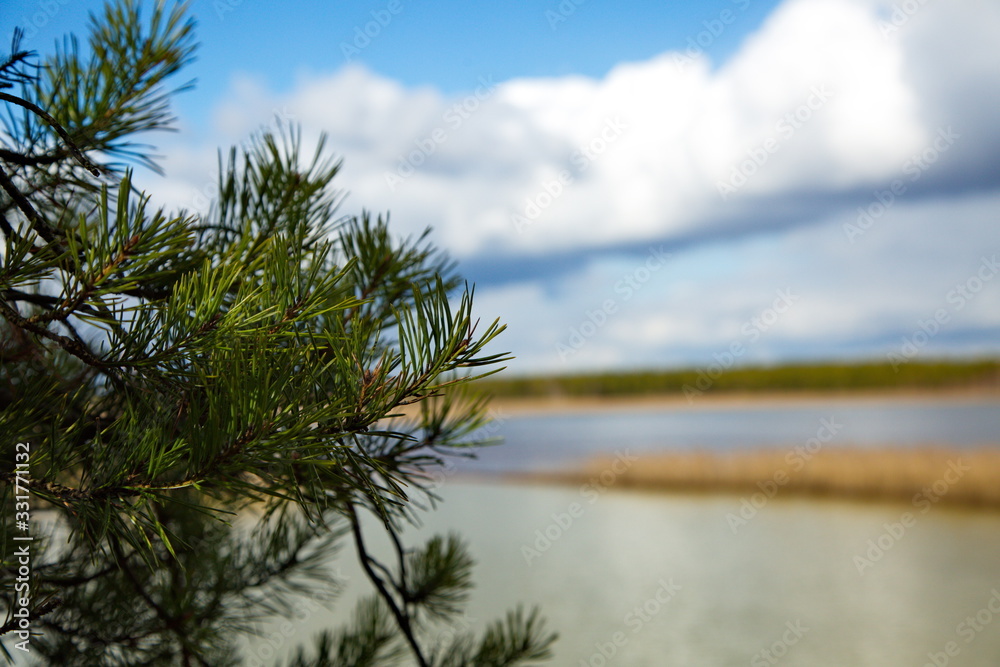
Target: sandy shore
pixel 918 475
pixel 734 400
pixel 922 476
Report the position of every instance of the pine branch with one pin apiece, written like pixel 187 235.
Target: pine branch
pixel 402 619
pixel 44 115
pixel 40 225
pixel 74 347
pixel 46 607
pixel 171 371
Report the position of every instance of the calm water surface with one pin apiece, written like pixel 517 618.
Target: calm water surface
pixel 553 440
pixel 804 582
pixel 726 597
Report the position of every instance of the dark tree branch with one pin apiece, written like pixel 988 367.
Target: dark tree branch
pixel 30 160
pixel 402 618
pixel 41 226
pixel 42 113
pixel 45 608
pixel 76 348
pixel 172 623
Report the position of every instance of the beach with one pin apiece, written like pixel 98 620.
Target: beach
pixel 931 473
pixel 924 477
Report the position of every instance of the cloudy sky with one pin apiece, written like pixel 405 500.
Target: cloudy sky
pixel 638 184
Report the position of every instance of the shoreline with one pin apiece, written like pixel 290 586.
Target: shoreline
pixel 546 405
pixel 891 473
pixel 924 476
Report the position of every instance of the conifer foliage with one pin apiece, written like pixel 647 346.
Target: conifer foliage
pixel 212 403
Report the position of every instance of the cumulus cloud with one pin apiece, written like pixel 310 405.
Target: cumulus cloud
pixel 821 99
pixel 814 292
pixel 751 173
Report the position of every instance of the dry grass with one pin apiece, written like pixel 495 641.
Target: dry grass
pixel 966 477
pixel 514 406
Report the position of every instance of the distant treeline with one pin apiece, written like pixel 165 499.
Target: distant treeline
pixel 804 377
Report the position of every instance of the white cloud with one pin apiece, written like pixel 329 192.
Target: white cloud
pixel 823 96
pixel 819 94
pixel 867 118
pixel 864 295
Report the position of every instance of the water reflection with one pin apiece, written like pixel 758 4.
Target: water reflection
pixel 789 573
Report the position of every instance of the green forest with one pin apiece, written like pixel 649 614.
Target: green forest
pixel 818 377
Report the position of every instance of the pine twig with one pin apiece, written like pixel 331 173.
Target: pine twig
pixel 402 618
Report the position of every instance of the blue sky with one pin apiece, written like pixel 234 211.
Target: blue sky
pixel 447 44
pixel 641 183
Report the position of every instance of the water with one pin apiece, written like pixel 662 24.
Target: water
pixel 792 563
pixel 791 573
pixel 552 441
pixel 646 579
